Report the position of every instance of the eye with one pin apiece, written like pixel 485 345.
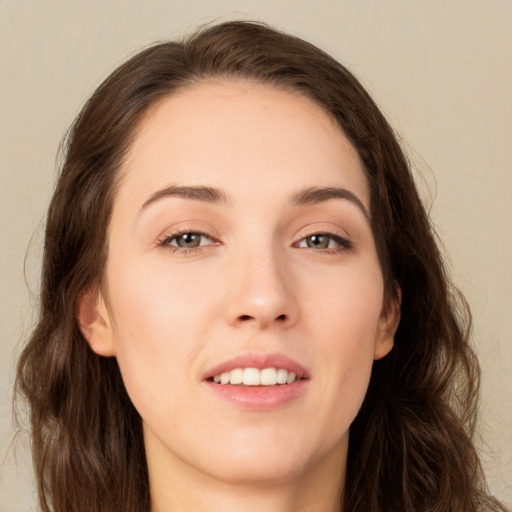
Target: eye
pixel 325 241
pixel 187 241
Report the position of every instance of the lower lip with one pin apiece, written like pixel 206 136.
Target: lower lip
pixel 260 398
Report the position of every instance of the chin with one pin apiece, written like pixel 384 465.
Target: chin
pixel 272 462
pixel 259 470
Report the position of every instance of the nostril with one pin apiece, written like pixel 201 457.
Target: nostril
pixel 245 318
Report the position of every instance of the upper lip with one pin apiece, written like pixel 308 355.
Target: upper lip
pixel 260 361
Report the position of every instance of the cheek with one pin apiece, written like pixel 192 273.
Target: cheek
pixel 156 303
pixel 346 322
pixel 348 349
pixel 347 309
pixel 158 323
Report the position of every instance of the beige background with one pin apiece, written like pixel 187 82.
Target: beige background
pixel 440 69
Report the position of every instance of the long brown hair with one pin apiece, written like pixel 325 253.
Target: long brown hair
pixel 410 446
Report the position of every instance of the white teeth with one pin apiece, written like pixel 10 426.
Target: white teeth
pixel 282 376
pixel 252 377
pixel 237 376
pixel 268 377
pixel 255 377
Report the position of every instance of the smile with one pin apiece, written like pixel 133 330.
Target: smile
pixel 258 382
pixel 256 377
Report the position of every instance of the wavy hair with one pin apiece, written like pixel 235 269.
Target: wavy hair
pixel 410 447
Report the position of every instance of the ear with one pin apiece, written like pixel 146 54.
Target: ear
pixel 94 321
pixel 388 324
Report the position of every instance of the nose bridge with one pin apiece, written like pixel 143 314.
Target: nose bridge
pixel 261 291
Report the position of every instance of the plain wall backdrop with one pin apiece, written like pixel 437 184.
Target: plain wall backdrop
pixel 441 70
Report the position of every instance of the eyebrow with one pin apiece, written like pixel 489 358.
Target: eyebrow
pixel 308 196
pixel 199 193
pixel 315 195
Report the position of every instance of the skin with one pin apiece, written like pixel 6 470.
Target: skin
pixel 252 286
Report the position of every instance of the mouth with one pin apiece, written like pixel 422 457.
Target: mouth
pixel 258 381
pixel 255 377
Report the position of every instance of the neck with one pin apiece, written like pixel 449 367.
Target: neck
pixel 317 489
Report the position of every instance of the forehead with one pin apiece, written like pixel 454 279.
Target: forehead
pixel 227 133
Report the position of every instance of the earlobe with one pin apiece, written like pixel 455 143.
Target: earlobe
pixel 388 324
pixel 94 321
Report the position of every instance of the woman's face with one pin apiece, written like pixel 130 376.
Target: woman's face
pixel 240 249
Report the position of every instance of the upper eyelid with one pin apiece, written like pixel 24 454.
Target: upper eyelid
pixel 332 231
pixel 175 232
pixel 180 232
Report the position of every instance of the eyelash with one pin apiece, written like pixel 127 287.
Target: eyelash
pixel 343 243
pixel 166 242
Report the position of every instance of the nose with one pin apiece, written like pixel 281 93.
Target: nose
pixel 261 292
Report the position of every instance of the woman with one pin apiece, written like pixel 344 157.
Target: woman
pixel 243 306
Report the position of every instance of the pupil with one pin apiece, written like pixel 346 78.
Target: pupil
pixel 318 241
pixel 189 240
